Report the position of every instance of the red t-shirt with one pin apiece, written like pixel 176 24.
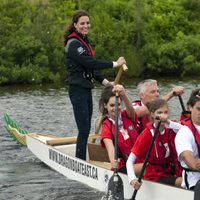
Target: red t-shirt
pixel 106 133
pixel 154 171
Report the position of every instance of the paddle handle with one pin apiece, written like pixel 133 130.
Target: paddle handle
pixel 119 73
pixel 124 66
pixel 147 158
pixel 181 102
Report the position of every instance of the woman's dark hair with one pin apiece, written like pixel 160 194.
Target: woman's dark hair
pixel 106 94
pixel 194 97
pixel 70 28
pixel 156 104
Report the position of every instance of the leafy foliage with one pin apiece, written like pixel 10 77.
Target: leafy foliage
pixel 31 40
pixel 156 37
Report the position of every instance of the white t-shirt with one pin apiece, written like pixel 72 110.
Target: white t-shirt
pixel 185 141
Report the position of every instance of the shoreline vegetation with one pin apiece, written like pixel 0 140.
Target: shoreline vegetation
pixel 157 38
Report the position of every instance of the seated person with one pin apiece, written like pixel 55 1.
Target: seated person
pixel 126 131
pixel 188 143
pixel 163 163
pixel 148 90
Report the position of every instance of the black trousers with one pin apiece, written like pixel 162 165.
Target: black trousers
pixel 81 99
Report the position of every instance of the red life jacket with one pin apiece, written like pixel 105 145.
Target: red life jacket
pixel 191 126
pixel 185 115
pixel 124 145
pixel 141 121
pixel 160 164
pixel 75 35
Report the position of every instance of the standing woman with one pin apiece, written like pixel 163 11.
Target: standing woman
pixel 83 68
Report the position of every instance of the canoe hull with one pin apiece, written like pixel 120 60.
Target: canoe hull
pixel 71 167
pixel 61 159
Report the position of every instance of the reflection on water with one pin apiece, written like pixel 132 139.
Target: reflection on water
pixel 47 109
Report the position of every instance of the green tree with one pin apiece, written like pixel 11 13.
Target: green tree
pixel 156 37
pixel 31 36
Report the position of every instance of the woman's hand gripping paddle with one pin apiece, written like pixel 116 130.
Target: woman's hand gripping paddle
pixel 122 69
pixel 115 184
pixel 147 157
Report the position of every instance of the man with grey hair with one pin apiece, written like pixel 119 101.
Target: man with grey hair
pixel 148 91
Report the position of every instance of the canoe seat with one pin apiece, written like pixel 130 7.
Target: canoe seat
pixel 98 156
pixel 97 153
pixel 69 140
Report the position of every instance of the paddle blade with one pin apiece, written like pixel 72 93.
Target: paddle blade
pixel 115 189
pixel 197 191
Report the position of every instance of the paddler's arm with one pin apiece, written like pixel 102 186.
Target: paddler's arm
pixel 141 110
pixel 190 160
pixel 177 90
pixel 175 126
pixel 111 151
pixel 129 108
pixel 131 172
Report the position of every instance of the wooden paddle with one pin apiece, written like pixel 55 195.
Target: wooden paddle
pixel 115 184
pixel 147 157
pixel 119 73
pixel 116 81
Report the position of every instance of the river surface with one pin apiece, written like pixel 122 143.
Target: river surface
pixel 47 109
